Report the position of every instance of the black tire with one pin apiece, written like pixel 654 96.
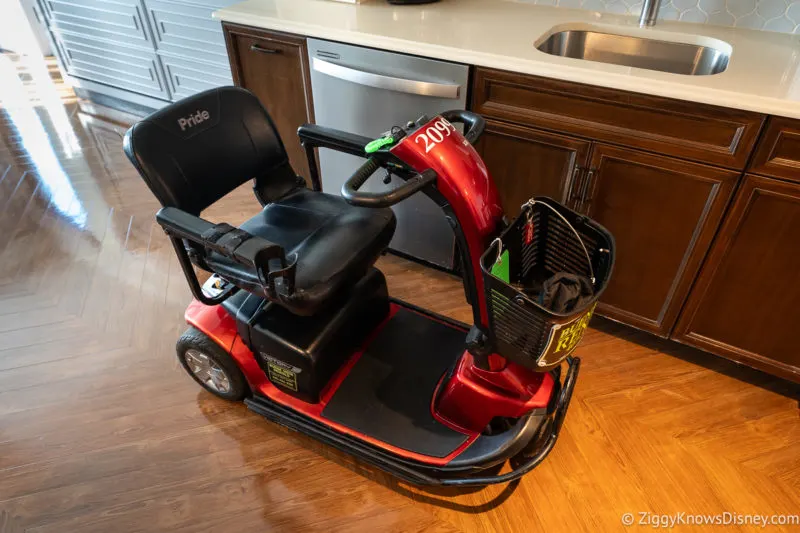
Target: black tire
pixel 194 339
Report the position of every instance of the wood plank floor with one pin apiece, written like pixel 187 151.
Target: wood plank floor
pixel 100 430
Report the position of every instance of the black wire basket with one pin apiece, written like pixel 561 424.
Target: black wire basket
pixel 520 328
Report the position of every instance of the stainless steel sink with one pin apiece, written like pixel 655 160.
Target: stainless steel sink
pixel 640 52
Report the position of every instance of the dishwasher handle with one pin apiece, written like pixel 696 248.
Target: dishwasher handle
pixel 382 81
pixel 412 185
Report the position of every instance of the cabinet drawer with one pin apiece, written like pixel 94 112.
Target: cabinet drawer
pixel 778 153
pixel 112 64
pixel 687 130
pixel 187 77
pixel 188 30
pixel 119 21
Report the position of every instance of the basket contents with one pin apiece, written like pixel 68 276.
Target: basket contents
pixel 565 292
pixel 562 292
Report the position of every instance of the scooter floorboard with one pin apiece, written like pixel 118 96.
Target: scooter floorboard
pixel 387 394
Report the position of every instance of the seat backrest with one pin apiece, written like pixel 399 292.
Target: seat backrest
pixel 195 151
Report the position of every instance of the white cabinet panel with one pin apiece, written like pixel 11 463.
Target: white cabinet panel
pixel 187 77
pixel 187 30
pixel 112 64
pixel 167 49
pixel 121 21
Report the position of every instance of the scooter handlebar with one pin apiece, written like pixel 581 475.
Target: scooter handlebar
pixel 413 184
pixel 474 124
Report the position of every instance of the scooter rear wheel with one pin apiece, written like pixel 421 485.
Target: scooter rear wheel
pixel 211 366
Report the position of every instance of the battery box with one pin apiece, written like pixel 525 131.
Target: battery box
pixel 299 354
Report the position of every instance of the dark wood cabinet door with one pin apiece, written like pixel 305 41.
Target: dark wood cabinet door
pixel 745 302
pixel 525 162
pixel 663 213
pixel 274 67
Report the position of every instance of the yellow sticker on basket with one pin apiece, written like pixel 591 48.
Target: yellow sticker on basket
pixel 564 338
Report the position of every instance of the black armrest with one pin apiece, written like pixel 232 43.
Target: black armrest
pixel 253 251
pixel 182 224
pixel 313 136
pixel 236 244
pixel 320 137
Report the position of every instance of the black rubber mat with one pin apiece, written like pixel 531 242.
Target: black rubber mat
pixel 387 395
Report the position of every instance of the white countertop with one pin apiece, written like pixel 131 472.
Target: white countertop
pixel 763 74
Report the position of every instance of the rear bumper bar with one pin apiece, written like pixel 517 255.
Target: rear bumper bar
pixel 420 474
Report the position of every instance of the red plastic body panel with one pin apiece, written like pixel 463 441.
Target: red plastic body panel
pixel 214 321
pixel 473 396
pixel 466 184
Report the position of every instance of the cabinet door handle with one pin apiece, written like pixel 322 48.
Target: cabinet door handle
pixel 573 184
pixel 585 187
pixel 261 49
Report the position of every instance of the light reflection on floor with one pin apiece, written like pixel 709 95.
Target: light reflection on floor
pixel 24 109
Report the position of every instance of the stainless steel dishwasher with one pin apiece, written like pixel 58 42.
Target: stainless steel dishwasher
pixel 361 90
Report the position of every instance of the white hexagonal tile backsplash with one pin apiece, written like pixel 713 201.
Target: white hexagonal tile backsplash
pixel 772 15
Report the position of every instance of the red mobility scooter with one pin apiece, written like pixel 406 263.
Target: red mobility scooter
pixel 297 322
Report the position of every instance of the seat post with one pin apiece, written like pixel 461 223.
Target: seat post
pixel 191 276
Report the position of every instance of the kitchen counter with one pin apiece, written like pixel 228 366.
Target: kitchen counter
pixel 763 74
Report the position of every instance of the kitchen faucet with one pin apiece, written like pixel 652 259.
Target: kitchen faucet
pixel 649 12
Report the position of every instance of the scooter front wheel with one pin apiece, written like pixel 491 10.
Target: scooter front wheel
pixel 211 366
